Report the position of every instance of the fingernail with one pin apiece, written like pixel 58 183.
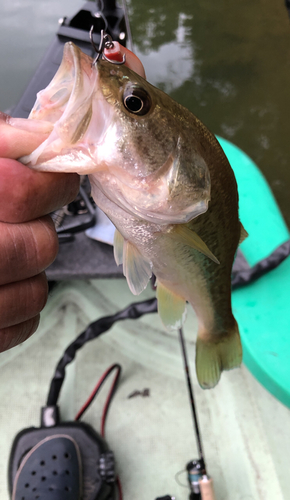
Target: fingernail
pixel 38 126
pixel 4 117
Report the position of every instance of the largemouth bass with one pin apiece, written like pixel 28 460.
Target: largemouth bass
pixel 162 178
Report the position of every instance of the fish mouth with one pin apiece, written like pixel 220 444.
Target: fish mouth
pixel 74 103
pixel 66 87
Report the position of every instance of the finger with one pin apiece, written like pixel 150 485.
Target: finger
pixel 26 194
pixel 23 300
pixel 16 142
pixel 14 335
pixel 132 61
pixel 26 249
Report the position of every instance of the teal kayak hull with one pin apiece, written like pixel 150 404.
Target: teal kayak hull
pixel 262 307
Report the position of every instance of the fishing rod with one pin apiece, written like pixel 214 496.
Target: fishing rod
pixel 200 483
pixel 128 28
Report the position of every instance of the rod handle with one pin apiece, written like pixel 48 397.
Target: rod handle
pixel 206 488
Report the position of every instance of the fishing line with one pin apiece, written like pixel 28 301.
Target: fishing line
pixel 176 477
pixel 100 14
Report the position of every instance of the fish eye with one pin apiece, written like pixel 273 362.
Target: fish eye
pixel 137 100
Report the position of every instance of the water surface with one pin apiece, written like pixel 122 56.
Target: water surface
pixel 228 62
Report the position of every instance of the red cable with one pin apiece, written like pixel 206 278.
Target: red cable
pixel 106 407
pixel 108 402
pixel 96 390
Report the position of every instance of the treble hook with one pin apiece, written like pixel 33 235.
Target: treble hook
pixel 106 42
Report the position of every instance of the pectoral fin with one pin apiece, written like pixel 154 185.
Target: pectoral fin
pixel 190 238
pixel 118 247
pixel 171 307
pixel 136 269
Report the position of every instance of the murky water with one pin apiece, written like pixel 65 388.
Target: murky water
pixel 228 62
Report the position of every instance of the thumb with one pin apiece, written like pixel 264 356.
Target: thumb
pixel 19 136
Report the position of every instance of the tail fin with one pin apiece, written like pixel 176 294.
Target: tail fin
pixel 215 355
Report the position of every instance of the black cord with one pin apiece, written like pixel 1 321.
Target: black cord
pixel 246 276
pixel 94 330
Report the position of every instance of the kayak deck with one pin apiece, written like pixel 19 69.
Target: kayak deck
pixel 245 430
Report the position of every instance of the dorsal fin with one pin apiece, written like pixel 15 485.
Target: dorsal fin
pixel 118 247
pixel 136 269
pixel 244 234
pixel 185 235
pixel 171 307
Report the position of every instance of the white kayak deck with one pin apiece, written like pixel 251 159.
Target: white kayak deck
pixel 245 430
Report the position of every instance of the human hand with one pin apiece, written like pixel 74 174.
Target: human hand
pixel 28 240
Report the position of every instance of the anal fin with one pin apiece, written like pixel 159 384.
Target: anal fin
pixel 215 354
pixel 171 307
pixel 188 237
pixel 136 269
